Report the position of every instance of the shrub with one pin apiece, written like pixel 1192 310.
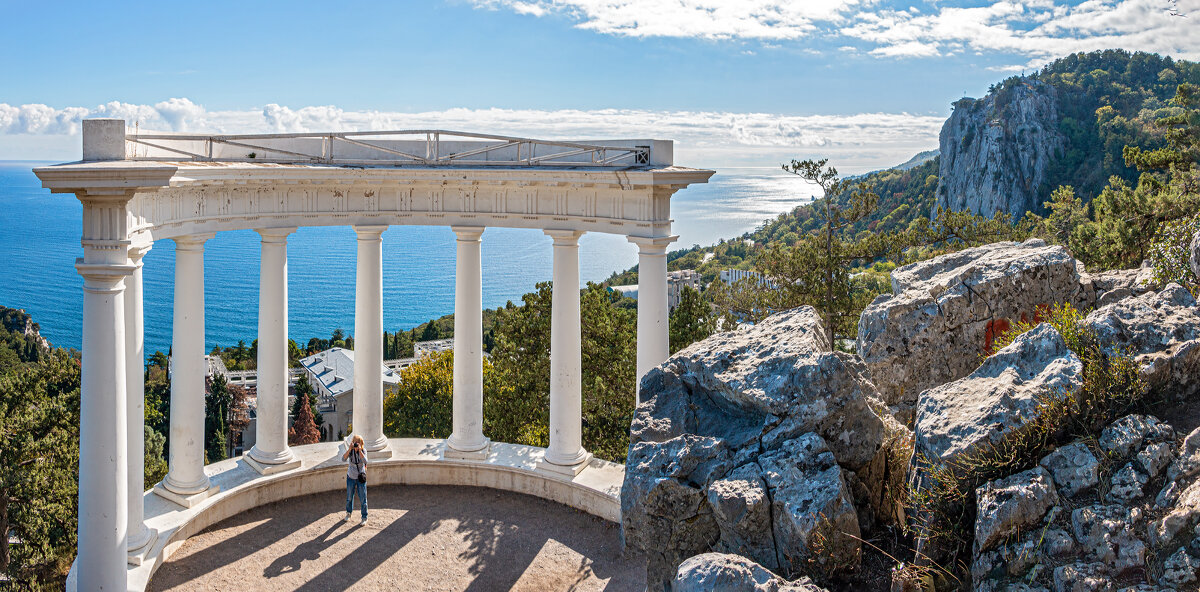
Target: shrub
pixel 1169 253
pixel 942 498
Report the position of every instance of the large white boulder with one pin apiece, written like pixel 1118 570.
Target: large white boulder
pixel 998 398
pixel 943 313
pixel 720 572
pixel 1162 332
pixel 750 442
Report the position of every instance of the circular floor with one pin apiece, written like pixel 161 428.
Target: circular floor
pixel 417 538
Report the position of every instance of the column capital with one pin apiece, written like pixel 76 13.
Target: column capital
pixel 565 238
pixel 652 245
pixel 370 232
pixel 192 242
pixel 468 233
pixel 274 235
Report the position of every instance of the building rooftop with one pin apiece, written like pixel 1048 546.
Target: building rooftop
pixel 334 368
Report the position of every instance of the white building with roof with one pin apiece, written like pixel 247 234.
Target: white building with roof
pixel 331 373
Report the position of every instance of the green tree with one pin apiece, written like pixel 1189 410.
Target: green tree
pixel 816 269
pixel 39 419
pixel 519 412
pixel 1064 221
pixel 294 354
pixel 305 393
pixel 155 465
pixel 691 321
pixel 304 427
pixel 1127 219
pixel 217 402
pixel 421 405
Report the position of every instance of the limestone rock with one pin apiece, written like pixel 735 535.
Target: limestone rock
pixel 1180 569
pixel 1127 435
pixel 1154 458
pixel 742 508
pixel 719 572
pixel 811 505
pixel 1082 577
pixel 1109 534
pixel 749 442
pixel 1162 331
pixel 1073 467
pixel 774 381
pixel 1187 464
pixel 995 152
pixel 1183 517
pixel 1107 287
pixel 1195 258
pixel 662 490
pixel 943 313
pixel 999 397
pixel 1127 484
pixel 1007 506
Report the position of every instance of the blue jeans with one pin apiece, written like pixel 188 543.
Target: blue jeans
pixel 353 485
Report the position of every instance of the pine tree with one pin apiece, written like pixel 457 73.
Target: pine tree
pixel 304 428
pixel 39 425
pixel 304 392
pixel 217 402
pixel 691 321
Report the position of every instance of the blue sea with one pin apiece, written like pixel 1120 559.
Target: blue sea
pixel 39 242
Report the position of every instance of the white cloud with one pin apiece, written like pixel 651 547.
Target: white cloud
pixel 1037 29
pixel 708 19
pixel 703 138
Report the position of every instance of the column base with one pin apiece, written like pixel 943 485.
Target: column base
pixel 137 555
pixel 383 454
pixel 568 470
pixel 449 451
pixel 379 454
pixel 270 469
pixel 186 500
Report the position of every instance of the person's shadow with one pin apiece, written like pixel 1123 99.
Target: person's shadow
pixel 305 551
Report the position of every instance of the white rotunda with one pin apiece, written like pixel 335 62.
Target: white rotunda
pixel 139 188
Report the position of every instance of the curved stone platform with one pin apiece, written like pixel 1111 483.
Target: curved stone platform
pixel 431 538
pixel 510 467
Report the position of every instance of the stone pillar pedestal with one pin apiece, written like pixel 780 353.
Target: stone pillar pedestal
pixel 271 453
pixel 141 537
pixel 368 342
pixel 467 439
pixel 565 454
pixel 653 326
pixel 186 484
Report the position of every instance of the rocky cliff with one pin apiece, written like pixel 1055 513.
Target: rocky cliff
pixel 760 458
pixel 995 151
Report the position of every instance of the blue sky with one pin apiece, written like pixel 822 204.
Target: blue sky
pixel 735 82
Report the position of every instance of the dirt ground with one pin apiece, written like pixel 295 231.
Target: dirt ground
pixel 416 538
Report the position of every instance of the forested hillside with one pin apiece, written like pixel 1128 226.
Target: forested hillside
pixel 1105 100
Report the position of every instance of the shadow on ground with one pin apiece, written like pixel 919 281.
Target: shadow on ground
pixel 417 538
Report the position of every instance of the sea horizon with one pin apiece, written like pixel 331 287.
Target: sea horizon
pixel 418 261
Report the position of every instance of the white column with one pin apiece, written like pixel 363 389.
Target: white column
pixel 653 325
pixel 467 439
pixel 103 431
pixel 271 453
pixel 566 453
pixel 368 340
pixel 186 484
pixel 140 536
